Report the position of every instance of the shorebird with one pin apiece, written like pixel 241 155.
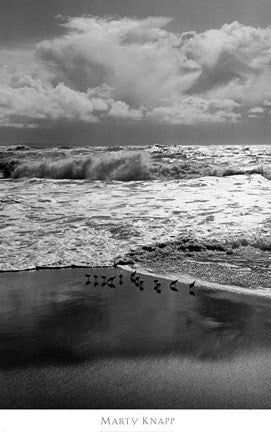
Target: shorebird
pixel 157 286
pixel 158 291
pixel 172 285
pixel 111 285
pixel 132 278
pixel 88 275
pixel 136 280
pixel 88 282
pixel 191 292
pixel 120 279
pixel 110 279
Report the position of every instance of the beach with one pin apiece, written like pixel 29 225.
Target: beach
pixel 92 240
pixel 91 338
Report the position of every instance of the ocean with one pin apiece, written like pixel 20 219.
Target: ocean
pixel 84 206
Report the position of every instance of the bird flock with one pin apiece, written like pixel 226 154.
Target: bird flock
pixel 135 279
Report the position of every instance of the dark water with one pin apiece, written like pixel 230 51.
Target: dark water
pixel 68 344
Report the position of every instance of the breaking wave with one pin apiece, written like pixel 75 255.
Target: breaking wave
pixel 120 165
pixel 123 168
pixel 257 170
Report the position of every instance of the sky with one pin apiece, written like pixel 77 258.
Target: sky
pixel 118 72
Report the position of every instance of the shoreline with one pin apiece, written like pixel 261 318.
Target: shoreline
pixel 167 273
pixel 105 346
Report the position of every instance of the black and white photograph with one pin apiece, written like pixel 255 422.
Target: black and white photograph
pixel 135 207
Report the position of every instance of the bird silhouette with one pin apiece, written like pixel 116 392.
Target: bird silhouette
pixel 111 285
pixel 136 281
pixel 88 282
pixel 158 291
pixel 88 275
pixel 120 279
pixel 132 278
pixel 172 285
pixel 110 279
pixel 191 291
pixel 157 286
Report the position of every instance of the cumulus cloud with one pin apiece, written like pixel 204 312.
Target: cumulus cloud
pixel 30 102
pixel 137 70
pixel 196 110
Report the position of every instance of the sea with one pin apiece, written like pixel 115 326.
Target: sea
pixel 62 206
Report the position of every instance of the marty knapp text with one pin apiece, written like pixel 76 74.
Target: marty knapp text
pixel 136 421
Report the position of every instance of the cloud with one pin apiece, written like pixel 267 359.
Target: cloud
pixel 30 102
pixel 196 110
pixel 137 70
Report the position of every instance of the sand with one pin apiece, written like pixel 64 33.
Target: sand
pixel 74 341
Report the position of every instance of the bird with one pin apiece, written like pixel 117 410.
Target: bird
pixel 120 279
pixel 88 281
pixel 157 286
pixel 111 285
pixel 132 278
pixel 172 285
pixel 158 291
pixel 110 279
pixel 136 281
pixel 191 292
pixel 103 277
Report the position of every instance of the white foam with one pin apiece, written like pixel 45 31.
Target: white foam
pixel 64 222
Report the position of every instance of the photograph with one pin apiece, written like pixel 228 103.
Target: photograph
pixel 135 208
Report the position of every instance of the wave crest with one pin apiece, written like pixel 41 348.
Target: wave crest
pixel 118 167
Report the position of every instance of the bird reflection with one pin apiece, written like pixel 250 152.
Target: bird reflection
pixel 191 286
pixel 172 285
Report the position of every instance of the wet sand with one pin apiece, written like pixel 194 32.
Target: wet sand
pixel 71 341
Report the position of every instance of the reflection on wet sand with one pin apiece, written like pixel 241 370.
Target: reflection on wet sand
pixel 91 332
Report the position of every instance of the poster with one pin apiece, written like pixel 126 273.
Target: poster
pixel 135 171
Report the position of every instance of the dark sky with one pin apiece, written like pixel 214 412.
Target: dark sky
pixel 24 22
